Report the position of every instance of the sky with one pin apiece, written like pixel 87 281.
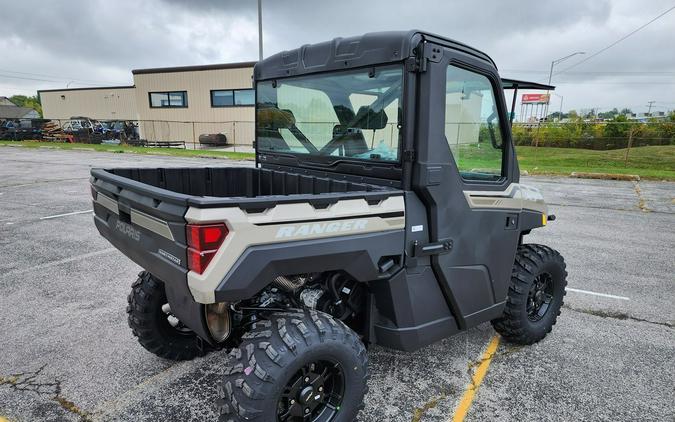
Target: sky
pixel 82 43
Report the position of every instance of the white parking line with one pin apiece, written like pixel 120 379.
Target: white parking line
pixel 588 292
pixel 65 215
pixel 56 263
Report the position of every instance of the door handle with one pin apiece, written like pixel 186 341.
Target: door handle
pixel 434 248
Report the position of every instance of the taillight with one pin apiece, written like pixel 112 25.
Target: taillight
pixel 203 242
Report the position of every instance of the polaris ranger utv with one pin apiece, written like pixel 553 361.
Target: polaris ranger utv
pixel 384 208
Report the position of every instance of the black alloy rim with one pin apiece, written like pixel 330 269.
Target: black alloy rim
pixel 540 297
pixel 314 393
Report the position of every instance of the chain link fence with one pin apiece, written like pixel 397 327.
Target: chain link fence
pixel 231 136
pixel 239 135
pixel 606 135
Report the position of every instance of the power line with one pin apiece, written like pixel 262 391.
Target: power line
pixel 598 72
pixel 615 83
pixel 65 78
pixel 617 41
pixel 43 80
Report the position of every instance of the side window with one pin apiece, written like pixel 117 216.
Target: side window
pixel 472 125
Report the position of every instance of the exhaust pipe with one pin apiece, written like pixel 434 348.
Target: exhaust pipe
pixel 218 321
pixel 288 284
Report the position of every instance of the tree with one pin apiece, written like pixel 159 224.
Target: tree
pixel 626 111
pixel 29 102
pixel 609 114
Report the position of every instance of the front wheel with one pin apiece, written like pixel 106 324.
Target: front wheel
pixel 300 365
pixel 535 295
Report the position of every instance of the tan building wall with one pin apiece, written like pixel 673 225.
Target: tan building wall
pixel 199 117
pixel 113 103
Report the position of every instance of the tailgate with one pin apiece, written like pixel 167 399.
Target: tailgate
pixel 144 222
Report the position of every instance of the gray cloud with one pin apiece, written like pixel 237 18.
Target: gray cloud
pixel 97 41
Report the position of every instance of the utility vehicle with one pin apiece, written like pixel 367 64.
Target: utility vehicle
pixel 384 208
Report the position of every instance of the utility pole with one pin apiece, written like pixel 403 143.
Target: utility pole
pixel 650 104
pixel 260 39
pixel 550 73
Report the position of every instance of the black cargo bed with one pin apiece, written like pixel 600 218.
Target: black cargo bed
pixel 237 186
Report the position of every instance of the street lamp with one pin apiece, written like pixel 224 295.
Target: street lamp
pixel 555 62
pixel 550 73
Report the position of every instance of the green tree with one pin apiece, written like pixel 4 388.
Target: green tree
pixel 30 102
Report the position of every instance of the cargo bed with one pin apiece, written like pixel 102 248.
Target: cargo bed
pixel 236 186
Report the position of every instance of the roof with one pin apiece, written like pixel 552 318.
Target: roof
pixel 518 84
pixel 6 101
pixel 14 112
pixel 88 88
pixel 238 65
pixel 346 53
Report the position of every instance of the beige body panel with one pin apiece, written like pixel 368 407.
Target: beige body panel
pixel 298 223
pixel 139 218
pixel 516 197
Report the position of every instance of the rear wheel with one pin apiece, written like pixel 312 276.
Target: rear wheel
pixel 154 325
pixel 295 366
pixel 535 295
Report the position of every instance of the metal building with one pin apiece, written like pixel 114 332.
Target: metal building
pixel 173 103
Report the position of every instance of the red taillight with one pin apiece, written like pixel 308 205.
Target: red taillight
pixel 203 242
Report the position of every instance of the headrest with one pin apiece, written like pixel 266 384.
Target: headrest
pixel 274 118
pixel 366 118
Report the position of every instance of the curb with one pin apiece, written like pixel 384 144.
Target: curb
pixel 605 176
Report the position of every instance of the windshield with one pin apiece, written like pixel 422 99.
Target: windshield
pixel 337 116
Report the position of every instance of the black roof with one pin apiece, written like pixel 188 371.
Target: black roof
pixel 518 84
pixel 239 65
pixel 364 50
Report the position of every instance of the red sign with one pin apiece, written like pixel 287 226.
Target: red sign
pixel 535 98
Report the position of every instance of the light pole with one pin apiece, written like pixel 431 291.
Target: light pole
pixel 260 39
pixel 550 73
pixel 561 103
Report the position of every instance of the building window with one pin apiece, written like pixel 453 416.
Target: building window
pixel 168 99
pixel 232 97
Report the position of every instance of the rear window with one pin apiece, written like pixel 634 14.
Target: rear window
pixel 334 116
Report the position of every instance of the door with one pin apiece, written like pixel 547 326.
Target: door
pixel 465 175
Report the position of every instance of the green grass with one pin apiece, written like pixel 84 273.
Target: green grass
pixel 176 152
pixel 651 162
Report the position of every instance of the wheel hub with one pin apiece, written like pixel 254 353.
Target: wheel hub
pixel 307 395
pixel 314 393
pixel 540 297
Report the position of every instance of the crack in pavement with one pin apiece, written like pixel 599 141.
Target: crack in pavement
pixel 594 207
pixel 642 202
pixel 617 315
pixel 28 382
pixel 420 411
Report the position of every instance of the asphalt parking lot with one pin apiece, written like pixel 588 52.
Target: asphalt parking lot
pixel 66 352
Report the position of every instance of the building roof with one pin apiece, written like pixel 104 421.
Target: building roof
pixel 518 84
pixel 14 112
pixel 239 65
pixel 87 88
pixel 6 101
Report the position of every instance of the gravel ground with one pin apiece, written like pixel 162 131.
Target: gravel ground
pixel 66 352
